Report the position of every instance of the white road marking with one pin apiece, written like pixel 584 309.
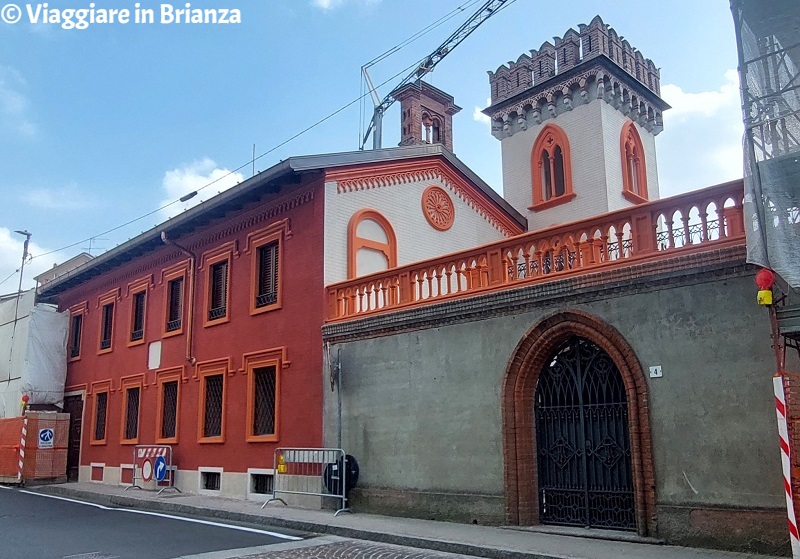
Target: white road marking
pixel 170 516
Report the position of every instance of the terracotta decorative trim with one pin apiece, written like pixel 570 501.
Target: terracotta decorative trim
pixel 518 394
pixel 356 243
pixel 274 357
pixel 438 208
pixel 172 374
pixel 355 179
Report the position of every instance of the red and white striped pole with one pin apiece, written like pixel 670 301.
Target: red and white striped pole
pixel 783 432
pixel 22 448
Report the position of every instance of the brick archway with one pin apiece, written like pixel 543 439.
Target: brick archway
pixel 519 386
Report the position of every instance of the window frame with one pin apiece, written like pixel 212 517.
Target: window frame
pixel 128 383
pixel 356 243
pixel 136 288
pixel 102 387
pixel 275 357
pixel 227 251
pixel 204 370
pixel 109 298
pixel 75 311
pixel 629 131
pixel 174 374
pixel 169 275
pixel 550 137
pixel 276 232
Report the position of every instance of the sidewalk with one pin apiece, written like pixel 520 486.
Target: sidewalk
pixel 463 539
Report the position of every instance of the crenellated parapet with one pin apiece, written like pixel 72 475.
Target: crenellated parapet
pixel 554 59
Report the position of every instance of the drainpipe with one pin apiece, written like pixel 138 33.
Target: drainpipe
pixel 190 318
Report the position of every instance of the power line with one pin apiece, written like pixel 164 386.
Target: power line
pixel 11 275
pixel 237 169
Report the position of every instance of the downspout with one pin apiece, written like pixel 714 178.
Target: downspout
pixel 190 318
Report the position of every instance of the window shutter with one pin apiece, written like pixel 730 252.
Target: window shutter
pixel 267 275
pixel 175 304
pixel 219 285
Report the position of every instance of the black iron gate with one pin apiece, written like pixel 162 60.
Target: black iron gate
pixel 583 440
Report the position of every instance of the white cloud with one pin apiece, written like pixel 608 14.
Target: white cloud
pixel 478 116
pixel 328 5
pixel 192 177
pixel 11 246
pixel 66 198
pixel 14 106
pixel 701 144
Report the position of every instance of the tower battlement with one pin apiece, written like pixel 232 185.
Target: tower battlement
pixel 554 59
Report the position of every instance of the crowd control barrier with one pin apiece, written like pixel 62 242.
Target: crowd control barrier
pixel 318 472
pixel 153 464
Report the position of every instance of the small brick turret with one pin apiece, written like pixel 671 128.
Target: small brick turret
pixel 426 115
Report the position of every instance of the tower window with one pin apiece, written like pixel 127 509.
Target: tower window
pixel 634 172
pixel 551 169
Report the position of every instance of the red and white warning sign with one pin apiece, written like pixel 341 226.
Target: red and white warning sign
pixel 147 470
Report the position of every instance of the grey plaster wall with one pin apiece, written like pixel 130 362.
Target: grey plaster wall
pixel 422 408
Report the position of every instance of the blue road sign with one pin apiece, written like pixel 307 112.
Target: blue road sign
pixel 46 437
pixel 160 468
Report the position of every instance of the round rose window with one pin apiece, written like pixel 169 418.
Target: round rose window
pixel 438 208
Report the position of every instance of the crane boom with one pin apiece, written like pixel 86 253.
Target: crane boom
pixel 486 11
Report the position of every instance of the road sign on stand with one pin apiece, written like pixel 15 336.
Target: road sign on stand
pixel 147 470
pixel 160 469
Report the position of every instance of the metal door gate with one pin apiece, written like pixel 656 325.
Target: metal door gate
pixel 583 440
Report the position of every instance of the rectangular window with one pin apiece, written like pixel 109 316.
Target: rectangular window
pixel 261 484
pixel 264 401
pixel 174 304
pixel 106 326
pixel 218 296
pixel 212 413
pixel 100 409
pixel 169 410
pixel 137 318
pixel 131 431
pixel 210 480
pixel 267 288
pixel 75 336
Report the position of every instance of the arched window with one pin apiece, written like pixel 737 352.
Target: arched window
pixel 551 169
pixel 634 172
pixel 371 244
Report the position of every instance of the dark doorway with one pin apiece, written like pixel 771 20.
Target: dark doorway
pixel 73 405
pixel 583 446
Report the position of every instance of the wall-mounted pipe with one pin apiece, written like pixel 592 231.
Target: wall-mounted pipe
pixel 190 318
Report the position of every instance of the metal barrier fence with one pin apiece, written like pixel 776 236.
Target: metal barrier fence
pixel 154 463
pixel 316 472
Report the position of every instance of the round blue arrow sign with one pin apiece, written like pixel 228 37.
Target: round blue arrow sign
pixel 160 468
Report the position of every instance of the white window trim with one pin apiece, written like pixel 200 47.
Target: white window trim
pixel 258 497
pixel 213 469
pixel 126 467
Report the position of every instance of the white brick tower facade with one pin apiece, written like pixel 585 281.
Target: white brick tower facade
pixel 577 122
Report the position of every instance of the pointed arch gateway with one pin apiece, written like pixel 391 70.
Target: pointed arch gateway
pixel 539 351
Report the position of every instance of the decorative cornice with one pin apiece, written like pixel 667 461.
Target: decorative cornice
pixel 355 179
pixel 595 82
pixel 246 222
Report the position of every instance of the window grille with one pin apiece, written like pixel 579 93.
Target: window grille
pixel 211 481
pixel 75 338
pixel 261 483
pixel 108 322
pixel 219 290
pixel 132 413
pixel 101 400
pixel 175 306
pixel 169 409
pixel 267 275
pixel 264 401
pixel 137 332
pixel 212 421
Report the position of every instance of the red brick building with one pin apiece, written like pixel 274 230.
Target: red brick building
pixel 204 333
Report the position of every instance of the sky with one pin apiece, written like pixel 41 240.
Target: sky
pixel 103 125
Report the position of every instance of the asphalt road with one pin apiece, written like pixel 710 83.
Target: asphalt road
pixel 41 527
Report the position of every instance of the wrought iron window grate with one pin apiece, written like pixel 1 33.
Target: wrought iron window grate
pixel 212 420
pixel 211 481
pixel 132 413
pixel 264 401
pixel 262 483
pixel 101 401
pixel 169 409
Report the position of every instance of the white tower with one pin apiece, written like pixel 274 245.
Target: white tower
pixel 577 122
